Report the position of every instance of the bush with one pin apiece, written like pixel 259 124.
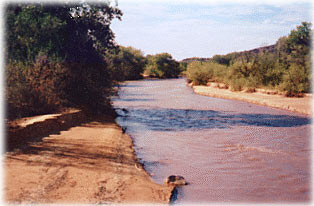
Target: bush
pixel 126 63
pixel 284 66
pixel 201 73
pixel 296 80
pixel 197 73
pixel 237 84
pixel 33 90
pixel 18 92
pixel 49 87
pixel 162 66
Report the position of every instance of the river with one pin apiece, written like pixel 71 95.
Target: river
pixel 229 151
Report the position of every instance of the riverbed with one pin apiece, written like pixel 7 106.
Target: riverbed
pixel 229 151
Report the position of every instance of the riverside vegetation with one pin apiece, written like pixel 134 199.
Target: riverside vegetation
pixel 64 55
pixel 284 66
pixel 54 57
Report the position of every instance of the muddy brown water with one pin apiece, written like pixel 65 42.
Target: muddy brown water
pixel 228 151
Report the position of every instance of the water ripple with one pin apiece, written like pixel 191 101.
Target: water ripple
pixel 180 119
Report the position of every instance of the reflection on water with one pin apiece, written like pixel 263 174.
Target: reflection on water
pixel 229 151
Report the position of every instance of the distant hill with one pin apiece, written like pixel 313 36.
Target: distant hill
pixel 191 59
pixel 251 52
pixel 270 49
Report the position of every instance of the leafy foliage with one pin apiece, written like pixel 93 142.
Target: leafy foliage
pixel 126 63
pixel 56 55
pixel 202 72
pixel 296 80
pixel 284 66
pixel 162 66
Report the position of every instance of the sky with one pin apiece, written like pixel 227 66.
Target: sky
pixel 203 28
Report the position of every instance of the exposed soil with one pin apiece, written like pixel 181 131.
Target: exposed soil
pixel 300 105
pixel 91 162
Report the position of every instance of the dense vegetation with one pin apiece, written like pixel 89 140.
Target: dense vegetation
pixel 55 57
pixel 162 66
pixel 284 66
pixel 64 55
pixel 126 63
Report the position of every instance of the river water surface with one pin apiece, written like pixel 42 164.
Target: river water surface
pixel 228 151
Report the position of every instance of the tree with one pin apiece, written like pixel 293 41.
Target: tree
pixel 63 44
pixel 31 31
pixel 299 42
pixel 126 63
pixel 295 58
pixel 162 66
pixel 282 50
pixel 70 30
pixel 301 36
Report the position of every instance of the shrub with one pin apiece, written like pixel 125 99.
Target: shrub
pixel 197 73
pixel 284 66
pixel 126 63
pixel 237 84
pixel 33 90
pixel 200 73
pixel 296 80
pixel 162 66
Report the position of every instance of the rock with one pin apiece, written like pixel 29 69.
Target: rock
pixel 125 111
pixel 123 129
pixel 175 180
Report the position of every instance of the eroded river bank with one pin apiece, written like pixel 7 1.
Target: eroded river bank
pixel 229 151
pixel 75 159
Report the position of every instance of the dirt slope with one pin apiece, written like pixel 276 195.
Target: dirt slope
pixel 89 163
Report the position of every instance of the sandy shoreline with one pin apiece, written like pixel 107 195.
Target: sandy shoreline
pixel 300 105
pixel 91 162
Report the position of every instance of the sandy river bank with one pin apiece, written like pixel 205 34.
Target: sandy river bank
pixel 300 105
pixel 92 161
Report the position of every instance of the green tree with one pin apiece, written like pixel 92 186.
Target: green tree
pixel 282 50
pixel 285 65
pixel 30 31
pixel 203 72
pixel 296 80
pixel 294 58
pixel 62 46
pixel 162 66
pixel 301 36
pixel 299 42
pixel 126 63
